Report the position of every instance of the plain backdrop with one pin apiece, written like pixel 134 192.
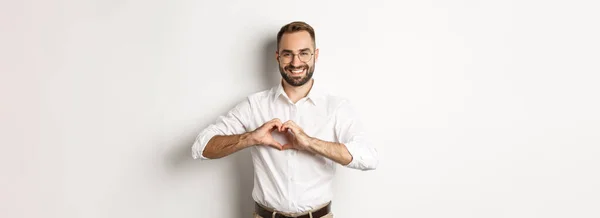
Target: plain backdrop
pixel 477 108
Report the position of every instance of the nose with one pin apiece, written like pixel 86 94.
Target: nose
pixel 296 61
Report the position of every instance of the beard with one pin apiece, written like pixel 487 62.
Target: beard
pixel 296 80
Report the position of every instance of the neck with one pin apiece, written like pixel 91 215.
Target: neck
pixel 295 93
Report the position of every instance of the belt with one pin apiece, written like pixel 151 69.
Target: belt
pixel 266 213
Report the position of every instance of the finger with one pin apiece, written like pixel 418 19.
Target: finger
pixel 287 146
pixel 273 127
pixel 296 127
pixel 270 122
pixel 276 145
pixel 289 136
pixel 266 126
pixel 291 123
pixel 283 128
pixel 290 126
pixel 277 123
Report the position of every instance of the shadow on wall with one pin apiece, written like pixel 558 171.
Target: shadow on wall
pixel 270 67
pixel 179 157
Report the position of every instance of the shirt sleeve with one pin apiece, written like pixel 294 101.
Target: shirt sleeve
pixel 232 123
pixel 349 131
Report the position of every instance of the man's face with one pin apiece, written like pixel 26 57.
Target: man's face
pixel 297 57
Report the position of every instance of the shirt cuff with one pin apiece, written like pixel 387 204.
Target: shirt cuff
pixel 362 157
pixel 200 144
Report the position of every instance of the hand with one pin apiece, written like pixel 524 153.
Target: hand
pixel 297 138
pixel 262 134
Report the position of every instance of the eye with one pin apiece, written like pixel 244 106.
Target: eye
pixel 305 54
pixel 286 55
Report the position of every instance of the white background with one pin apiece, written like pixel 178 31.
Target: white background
pixel 478 108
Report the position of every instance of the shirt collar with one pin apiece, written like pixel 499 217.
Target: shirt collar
pixel 314 95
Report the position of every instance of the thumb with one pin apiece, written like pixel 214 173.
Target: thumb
pixel 287 146
pixel 274 144
pixel 290 136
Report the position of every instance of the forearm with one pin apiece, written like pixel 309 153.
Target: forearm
pixel 332 150
pixel 221 146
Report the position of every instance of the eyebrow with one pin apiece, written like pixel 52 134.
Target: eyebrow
pixel 301 50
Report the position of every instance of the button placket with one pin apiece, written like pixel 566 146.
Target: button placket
pixel 291 163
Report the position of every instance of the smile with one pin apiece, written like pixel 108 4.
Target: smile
pixel 297 72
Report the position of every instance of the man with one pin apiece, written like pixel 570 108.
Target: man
pixel 296 132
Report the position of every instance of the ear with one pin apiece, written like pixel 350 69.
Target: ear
pixel 277 56
pixel 316 54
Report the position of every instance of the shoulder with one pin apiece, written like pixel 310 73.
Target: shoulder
pixel 261 95
pixel 336 102
pixel 342 108
pixel 255 99
pixel 247 104
pixel 252 98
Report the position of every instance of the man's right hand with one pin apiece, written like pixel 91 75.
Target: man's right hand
pixel 263 134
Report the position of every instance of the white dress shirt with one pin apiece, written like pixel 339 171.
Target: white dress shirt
pixel 294 181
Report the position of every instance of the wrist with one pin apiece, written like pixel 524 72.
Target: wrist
pixel 248 139
pixel 313 144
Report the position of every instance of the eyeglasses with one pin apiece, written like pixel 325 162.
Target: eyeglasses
pixel 287 57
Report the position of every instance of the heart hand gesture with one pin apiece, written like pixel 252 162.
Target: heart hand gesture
pixel 263 134
pixel 297 138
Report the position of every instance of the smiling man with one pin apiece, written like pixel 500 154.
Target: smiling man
pixel 297 132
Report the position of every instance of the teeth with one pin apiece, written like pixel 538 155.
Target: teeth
pixel 297 71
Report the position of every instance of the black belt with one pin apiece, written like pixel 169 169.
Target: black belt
pixel 266 213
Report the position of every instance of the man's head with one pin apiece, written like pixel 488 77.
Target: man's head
pixel 296 52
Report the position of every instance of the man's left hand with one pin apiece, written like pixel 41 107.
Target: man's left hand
pixel 297 138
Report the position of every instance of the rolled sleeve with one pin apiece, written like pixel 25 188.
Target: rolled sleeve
pixel 351 133
pixel 231 123
pixel 200 143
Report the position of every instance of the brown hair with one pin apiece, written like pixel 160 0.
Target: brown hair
pixel 293 27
